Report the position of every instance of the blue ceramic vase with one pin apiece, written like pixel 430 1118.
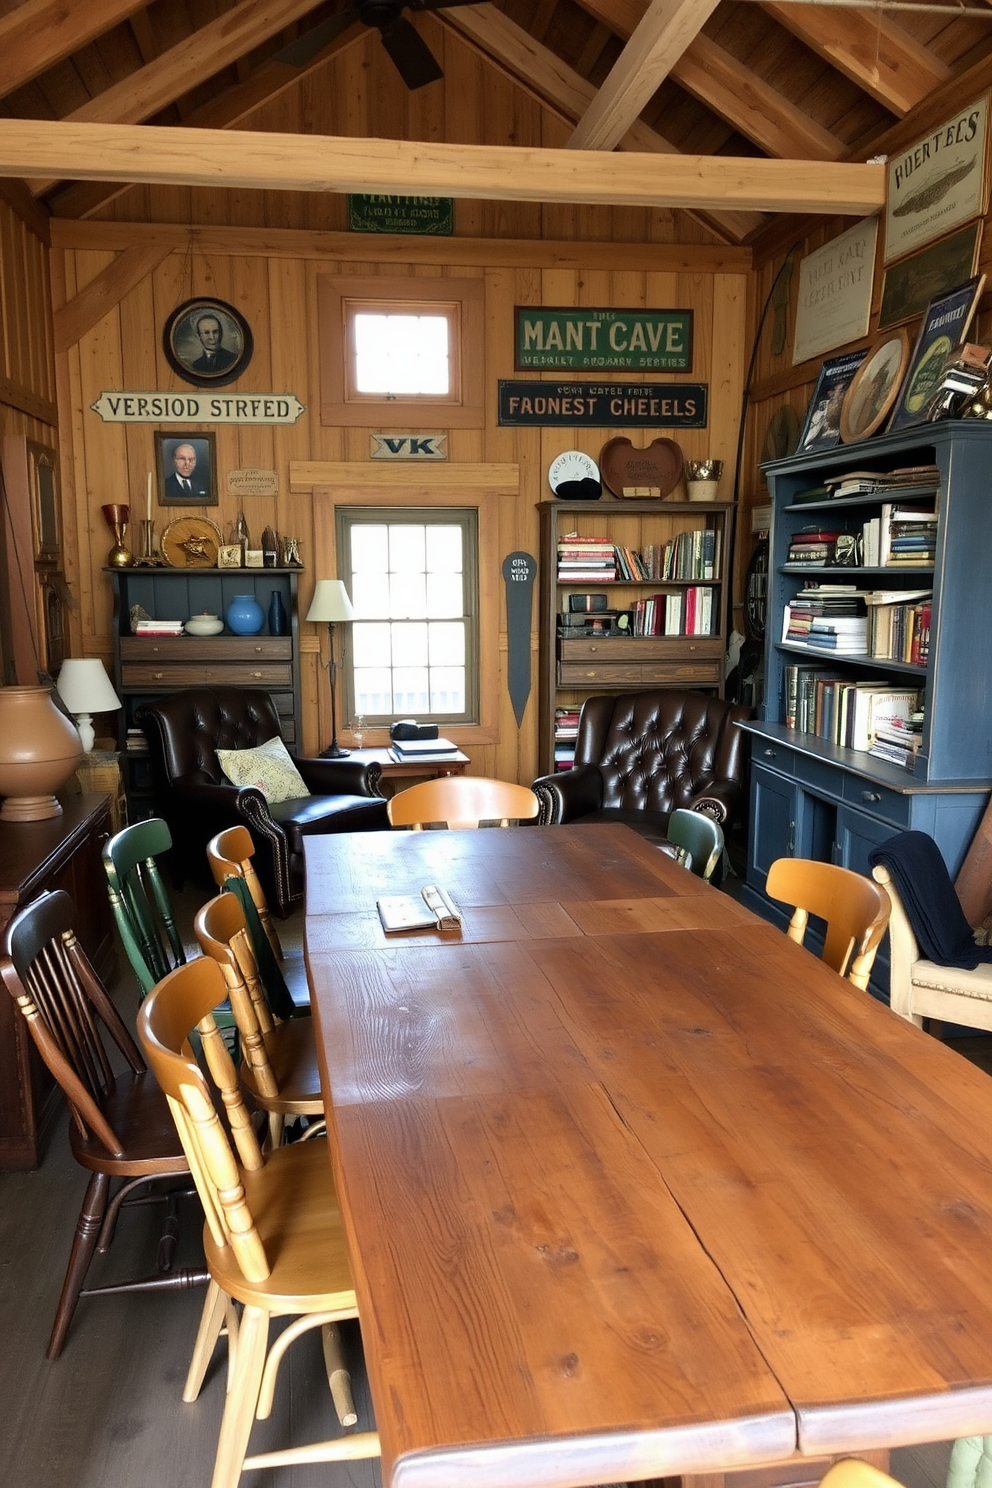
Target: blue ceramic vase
pixel 245 615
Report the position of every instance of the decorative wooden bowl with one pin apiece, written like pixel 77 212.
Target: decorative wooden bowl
pixel 653 471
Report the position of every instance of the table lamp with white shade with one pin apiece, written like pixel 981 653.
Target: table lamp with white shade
pixel 331 603
pixel 86 689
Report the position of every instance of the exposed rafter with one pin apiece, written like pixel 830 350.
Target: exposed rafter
pixel 40 33
pixel 659 39
pixel 290 162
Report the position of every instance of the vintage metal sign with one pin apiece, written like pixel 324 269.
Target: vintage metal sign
pixel 419 215
pixel 252 482
pixel 409 446
pixel 632 340
pixel 938 182
pixel 198 408
pixel 603 405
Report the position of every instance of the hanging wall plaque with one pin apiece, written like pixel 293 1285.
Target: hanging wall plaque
pixel 518 575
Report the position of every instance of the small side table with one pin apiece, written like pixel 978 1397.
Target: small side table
pixel 421 769
pixel 100 773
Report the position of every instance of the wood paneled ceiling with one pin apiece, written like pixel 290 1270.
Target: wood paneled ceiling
pixel 713 80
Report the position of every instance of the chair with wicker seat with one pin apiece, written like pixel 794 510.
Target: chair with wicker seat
pixel 856 911
pixel 279 1068
pixel 462 801
pixel 273 1235
pixel 120 1129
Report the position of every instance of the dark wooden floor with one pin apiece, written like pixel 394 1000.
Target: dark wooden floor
pixel 109 1413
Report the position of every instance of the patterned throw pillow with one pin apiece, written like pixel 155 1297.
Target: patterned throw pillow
pixel 268 767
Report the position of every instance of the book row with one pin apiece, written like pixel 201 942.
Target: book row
pixel 688 555
pixel 846 713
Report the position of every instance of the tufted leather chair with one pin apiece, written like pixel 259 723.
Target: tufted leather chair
pixel 640 755
pixel 184 731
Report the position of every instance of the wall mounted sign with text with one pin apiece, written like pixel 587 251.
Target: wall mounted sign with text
pixel 252 482
pixel 417 215
pixel 936 183
pixel 627 340
pixel 835 283
pixel 198 408
pixel 604 405
pixel 408 446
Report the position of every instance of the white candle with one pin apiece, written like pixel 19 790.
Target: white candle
pixel 149 495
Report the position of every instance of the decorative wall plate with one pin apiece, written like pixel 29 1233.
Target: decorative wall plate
pixel 874 387
pixel 191 542
pixel 653 471
pixel 574 476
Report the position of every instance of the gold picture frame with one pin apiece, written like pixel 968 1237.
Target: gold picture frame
pixel 229 556
pixel 874 387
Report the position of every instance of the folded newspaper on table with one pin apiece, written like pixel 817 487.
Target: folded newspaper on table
pixel 434 910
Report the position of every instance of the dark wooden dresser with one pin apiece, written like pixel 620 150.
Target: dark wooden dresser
pixel 63 853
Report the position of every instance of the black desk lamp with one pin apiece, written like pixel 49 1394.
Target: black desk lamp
pixel 331 603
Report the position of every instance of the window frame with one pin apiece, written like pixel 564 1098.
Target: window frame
pixel 341 296
pixel 346 518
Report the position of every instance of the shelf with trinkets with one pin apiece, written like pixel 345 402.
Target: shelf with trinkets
pixel 147 665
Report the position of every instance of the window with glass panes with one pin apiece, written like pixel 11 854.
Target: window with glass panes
pixel 412 574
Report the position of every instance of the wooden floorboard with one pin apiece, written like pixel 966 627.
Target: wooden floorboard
pixel 109 1413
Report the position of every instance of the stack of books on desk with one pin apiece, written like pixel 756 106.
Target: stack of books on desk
pixel 403 751
pixel 158 627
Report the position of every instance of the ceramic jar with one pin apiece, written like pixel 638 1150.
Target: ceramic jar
pixel 204 625
pixel 39 749
pixel 245 615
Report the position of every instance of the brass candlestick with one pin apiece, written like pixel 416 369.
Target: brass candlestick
pixel 116 516
pixel 149 558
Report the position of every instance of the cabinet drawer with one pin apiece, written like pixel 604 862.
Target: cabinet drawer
pixel 145 675
pixel 891 806
pixel 604 673
pixel 184 649
pixel 609 674
pixel 774 756
pixel 639 648
pixel 682 671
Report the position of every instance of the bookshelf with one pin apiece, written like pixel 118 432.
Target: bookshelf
pixel 686 649
pixel 813 793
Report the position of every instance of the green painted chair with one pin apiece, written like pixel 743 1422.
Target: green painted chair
pixel 140 901
pixel 699 837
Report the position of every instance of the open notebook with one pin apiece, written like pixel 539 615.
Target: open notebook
pixel 432 909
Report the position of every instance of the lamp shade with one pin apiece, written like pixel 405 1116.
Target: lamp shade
pixel 330 602
pixel 84 686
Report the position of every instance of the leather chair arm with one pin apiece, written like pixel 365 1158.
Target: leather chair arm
pixel 215 796
pixel 716 799
pixel 339 777
pixel 569 794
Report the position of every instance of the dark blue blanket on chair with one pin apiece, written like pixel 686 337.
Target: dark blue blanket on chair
pixel 932 907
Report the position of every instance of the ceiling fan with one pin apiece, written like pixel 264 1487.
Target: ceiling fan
pixel 410 54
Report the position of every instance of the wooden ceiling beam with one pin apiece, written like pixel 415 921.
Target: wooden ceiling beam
pixel 40 33
pixel 290 162
pixel 554 83
pixel 661 36
pixel 761 114
pixel 881 58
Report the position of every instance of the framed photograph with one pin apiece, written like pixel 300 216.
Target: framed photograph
pixel 945 326
pixel 186 467
pixel 909 285
pixel 822 427
pixel 207 342
pixel 874 387
pixel 229 555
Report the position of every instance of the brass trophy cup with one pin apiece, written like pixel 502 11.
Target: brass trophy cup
pixel 116 516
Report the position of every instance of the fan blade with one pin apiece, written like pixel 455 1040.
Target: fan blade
pixel 412 57
pixel 300 51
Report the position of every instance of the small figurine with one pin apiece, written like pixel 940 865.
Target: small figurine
pixel 291 552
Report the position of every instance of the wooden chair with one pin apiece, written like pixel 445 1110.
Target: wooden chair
pixel 851 1472
pixel 855 909
pixel 279 1069
pixel 698 836
pixel 919 988
pixel 460 801
pixel 229 856
pixel 120 1127
pixel 140 901
pixel 273 1235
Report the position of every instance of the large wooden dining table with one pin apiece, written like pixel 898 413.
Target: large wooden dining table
pixel 633 1185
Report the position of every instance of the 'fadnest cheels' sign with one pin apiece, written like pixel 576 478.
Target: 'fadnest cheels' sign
pixel 603 405
pixel 628 340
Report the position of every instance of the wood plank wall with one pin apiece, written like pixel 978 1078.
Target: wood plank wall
pixel 270 276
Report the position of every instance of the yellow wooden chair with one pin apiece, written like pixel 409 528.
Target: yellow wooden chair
pixel 273 1236
pixel 851 1472
pixel 279 1069
pixel 855 909
pixel 462 801
pixel 229 855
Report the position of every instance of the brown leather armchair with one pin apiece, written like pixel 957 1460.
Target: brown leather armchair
pixel 184 731
pixel 640 755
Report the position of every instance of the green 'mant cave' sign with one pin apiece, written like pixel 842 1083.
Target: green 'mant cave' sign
pixel 631 340
pixel 420 215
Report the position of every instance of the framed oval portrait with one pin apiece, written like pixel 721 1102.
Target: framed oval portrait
pixel 874 387
pixel 207 342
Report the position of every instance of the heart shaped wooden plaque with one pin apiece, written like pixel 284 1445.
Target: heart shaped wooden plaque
pixel 651 472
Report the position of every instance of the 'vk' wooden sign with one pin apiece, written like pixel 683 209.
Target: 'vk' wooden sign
pixel 409 447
